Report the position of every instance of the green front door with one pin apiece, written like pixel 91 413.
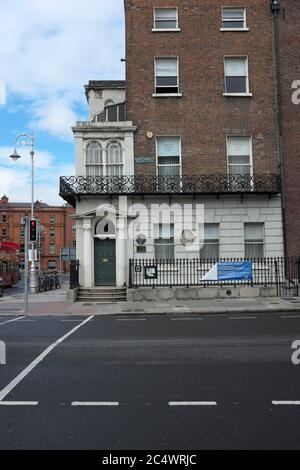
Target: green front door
pixel 105 262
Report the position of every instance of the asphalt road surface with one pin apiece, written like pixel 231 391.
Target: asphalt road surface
pixel 157 382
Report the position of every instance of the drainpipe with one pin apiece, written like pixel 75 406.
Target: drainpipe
pixel 275 8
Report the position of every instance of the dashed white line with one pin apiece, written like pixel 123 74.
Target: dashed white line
pixel 286 403
pixel 290 316
pixel 186 319
pixel 193 403
pixel 131 319
pixel 39 359
pixel 10 321
pixel 19 403
pixel 242 318
pixel 95 403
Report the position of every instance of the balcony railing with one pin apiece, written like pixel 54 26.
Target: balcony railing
pixel 72 186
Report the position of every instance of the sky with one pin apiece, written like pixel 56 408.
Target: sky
pixel 51 49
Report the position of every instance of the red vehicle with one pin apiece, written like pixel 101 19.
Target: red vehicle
pixel 9 268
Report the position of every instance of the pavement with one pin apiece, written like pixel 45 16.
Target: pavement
pixel 54 303
pixel 129 382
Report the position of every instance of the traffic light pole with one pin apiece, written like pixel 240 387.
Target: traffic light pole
pixel 26 267
pixel 33 279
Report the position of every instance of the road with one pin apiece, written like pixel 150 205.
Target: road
pixel 156 382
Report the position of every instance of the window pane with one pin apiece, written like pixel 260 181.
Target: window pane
pixel 211 232
pixel 168 146
pixel 254 232
pixel 233 24
pixel 236 85
pixel 165 13
pixel 210 251
pixel 238 146
pixel 235 67
pixel 169 170
pixel 255 250
pixel 166 81
pixel 166 67
pixel 233 13
pixel 93 153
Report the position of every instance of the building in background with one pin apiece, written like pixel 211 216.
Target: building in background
pixel 288 24
pixel 196 123
pixel 57 229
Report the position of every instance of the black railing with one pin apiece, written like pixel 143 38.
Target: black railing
pixel 284 274
pixel 70 186
pixel 74 274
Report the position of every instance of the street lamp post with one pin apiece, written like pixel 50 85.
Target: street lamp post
pixel 28 139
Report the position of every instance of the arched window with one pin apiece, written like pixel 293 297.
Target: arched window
pixel 94 159
pixel 114 159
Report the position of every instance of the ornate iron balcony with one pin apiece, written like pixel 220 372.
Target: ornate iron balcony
pixel 72 186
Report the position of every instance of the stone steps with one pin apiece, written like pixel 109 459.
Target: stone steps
pixel 102 295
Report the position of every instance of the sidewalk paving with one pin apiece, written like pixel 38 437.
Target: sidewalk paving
pixel 54 303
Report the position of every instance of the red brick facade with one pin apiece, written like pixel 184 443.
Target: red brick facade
pixel 289 43
pixel 203 116
pixel 57 233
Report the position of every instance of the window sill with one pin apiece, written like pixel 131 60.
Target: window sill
pixel 241 95
pixel 166 30
pixel 245 30
pixel 167 95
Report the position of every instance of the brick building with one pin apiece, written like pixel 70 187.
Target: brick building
pixel 195 124
pixel 57 229
pixel 289 69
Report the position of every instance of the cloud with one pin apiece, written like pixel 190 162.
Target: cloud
pixel 15 177
pixel 53 49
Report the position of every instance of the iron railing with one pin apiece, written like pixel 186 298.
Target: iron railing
pixel 282 273
pixel 72 186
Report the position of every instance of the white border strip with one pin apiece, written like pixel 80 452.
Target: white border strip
pixel 19 403
pixel 39 359
pixel 95 403
pixel 193 403
pixel 286 403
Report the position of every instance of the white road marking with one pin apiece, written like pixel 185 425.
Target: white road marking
pixel 242 318
pixel 95 403
pixel 290 316
pixel 39 359
pixel 19 403
pixel 286 403
pixel 192 403
pixel 131 319
pixel 75 321
pixel 10 321
pixel 186 319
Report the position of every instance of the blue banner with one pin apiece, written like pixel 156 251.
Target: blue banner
pixel 235 271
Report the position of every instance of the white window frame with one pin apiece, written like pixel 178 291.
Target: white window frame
pixel 232 136
pixel 209 241
pixel 104 148
pixel 247 94
pixel 156 240
pixel 107 164
pixel 263 240
pixel 87 165
pixel 244 29
pixel 180 152
pixel 165 30
pixel 167 95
